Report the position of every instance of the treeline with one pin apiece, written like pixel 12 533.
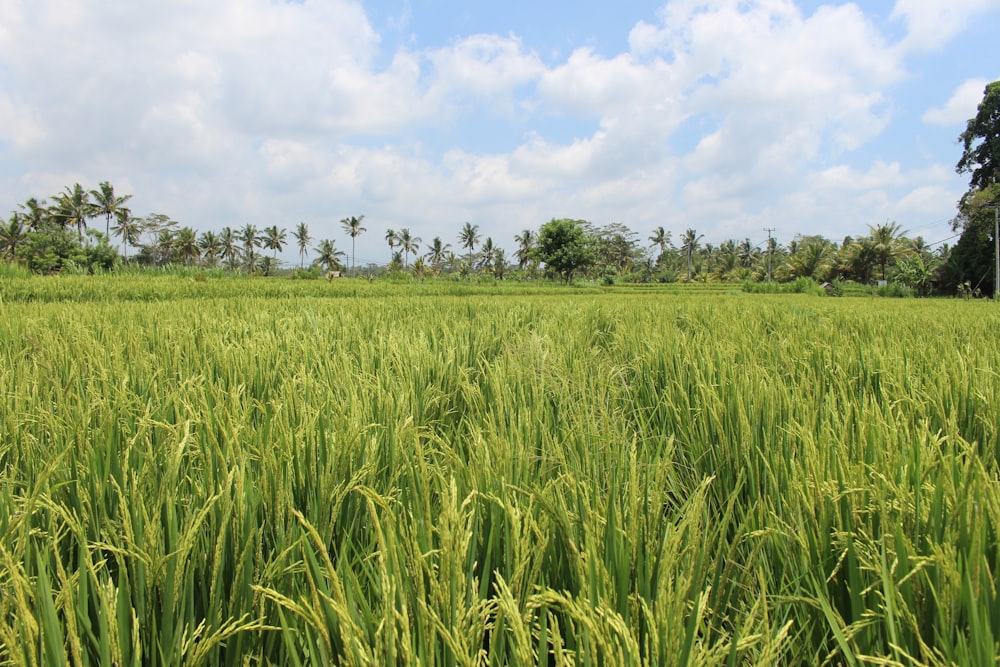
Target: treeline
pixel 66 235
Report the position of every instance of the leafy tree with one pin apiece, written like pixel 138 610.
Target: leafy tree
pixel 303 240
pixel 981 142
pixel 469 238
pixel 564 248
pixel 107 203
pixel 352 226
pixel 969 261
pixel 919 271
pixel 616 247
pixel 972 258
pixel 856 260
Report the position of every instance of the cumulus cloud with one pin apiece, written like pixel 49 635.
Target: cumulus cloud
pixel 932 23
pixel 719 115
pixel 960 107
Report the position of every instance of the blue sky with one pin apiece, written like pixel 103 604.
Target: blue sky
pixel 725 116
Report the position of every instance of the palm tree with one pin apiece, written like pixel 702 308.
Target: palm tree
pixel 408 244
pixel 127 228
pixel 10 235
pixel 230 251
pixel 250 239
pixel 72 208
pixel 525 244
pixel 35 214
pixel 689 243
pixel 210 246
pixel 186 245
pixel 746 253
pixel 486 254
pixel 886 240
pixel 392 239
pixel 164 246
pixel 108 204
pixel 660 238
pixel 302 237
pixel 274 239
pixel 328 256
pixel 814 259
pixel 436 253
pixel 352 226
pixel 469 238
pixel 499 263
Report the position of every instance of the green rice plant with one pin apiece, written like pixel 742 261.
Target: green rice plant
pixel 237 471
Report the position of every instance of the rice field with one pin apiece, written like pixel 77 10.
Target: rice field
pixel 238 472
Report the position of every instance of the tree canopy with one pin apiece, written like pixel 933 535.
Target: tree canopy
pixel 563 247
pixel 981 142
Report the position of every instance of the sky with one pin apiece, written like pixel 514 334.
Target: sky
pixel 724 116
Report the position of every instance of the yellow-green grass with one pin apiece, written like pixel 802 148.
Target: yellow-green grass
pixel 274 472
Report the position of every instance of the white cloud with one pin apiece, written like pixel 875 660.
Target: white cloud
pixel 932 23
pixel 726 116
pixel 960 107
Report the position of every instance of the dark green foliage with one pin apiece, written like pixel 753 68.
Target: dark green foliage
pixel 564 248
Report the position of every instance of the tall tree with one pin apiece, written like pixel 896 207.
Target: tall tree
pixel 660 239
pixel 127 228
pixel 10 235
pixel 469 238
pixel 327 255
pixel 970 259
pixel 230 247
pixel 887 243
pixel 689 243
pixel 250 239
pixel 352 226
pixel 303 239
pixel 107 203
pixel 274 239
pixel 72 208
pixel 436 252
pixel 186 245
pixel 564 248
pixel 525 244
pixel 34 214
pixel 211 246
pixel 981 142
pixel 393 240
pixel 408 243
pixel 486 255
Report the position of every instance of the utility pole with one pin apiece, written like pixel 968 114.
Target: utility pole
pixel 769 230
pixel 996 250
